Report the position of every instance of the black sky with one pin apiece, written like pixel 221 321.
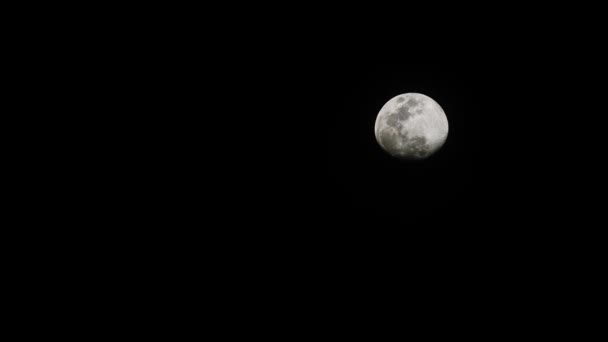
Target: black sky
pixel 271 139
pixel 290 145
pixel 236 157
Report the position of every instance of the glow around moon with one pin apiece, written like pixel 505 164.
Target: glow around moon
pixel 411 126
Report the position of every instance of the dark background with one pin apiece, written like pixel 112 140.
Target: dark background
pixel 278 147
pixel 507 175
pixel 519 167
pixel 263 138
pixel 241 155
pixel 396 193
pixel 435 207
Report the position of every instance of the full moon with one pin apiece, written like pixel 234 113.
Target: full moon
pixel 411 126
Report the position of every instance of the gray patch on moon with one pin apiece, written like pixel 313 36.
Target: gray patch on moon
pixel 402 113
pixel 394 141
pixel 397 118
pixel 401 145
pixel 387 138
pixel 397 141
pixel 417 147
pixel 400 99
pixel 392 120
pixel 412 103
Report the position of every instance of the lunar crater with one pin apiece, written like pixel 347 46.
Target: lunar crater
pixel 403 113
pixel 412 103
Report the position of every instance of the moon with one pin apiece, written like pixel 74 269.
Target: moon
pixel 411 126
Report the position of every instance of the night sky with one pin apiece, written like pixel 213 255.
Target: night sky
pixel 369 181
pixel 507 174
pixel 236 158
pixel 278 148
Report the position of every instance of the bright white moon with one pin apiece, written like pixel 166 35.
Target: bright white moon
pixel 411 126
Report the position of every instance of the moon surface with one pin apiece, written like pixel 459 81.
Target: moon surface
pixel 411 126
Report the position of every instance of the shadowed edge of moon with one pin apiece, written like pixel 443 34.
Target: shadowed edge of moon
pixel 410 147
